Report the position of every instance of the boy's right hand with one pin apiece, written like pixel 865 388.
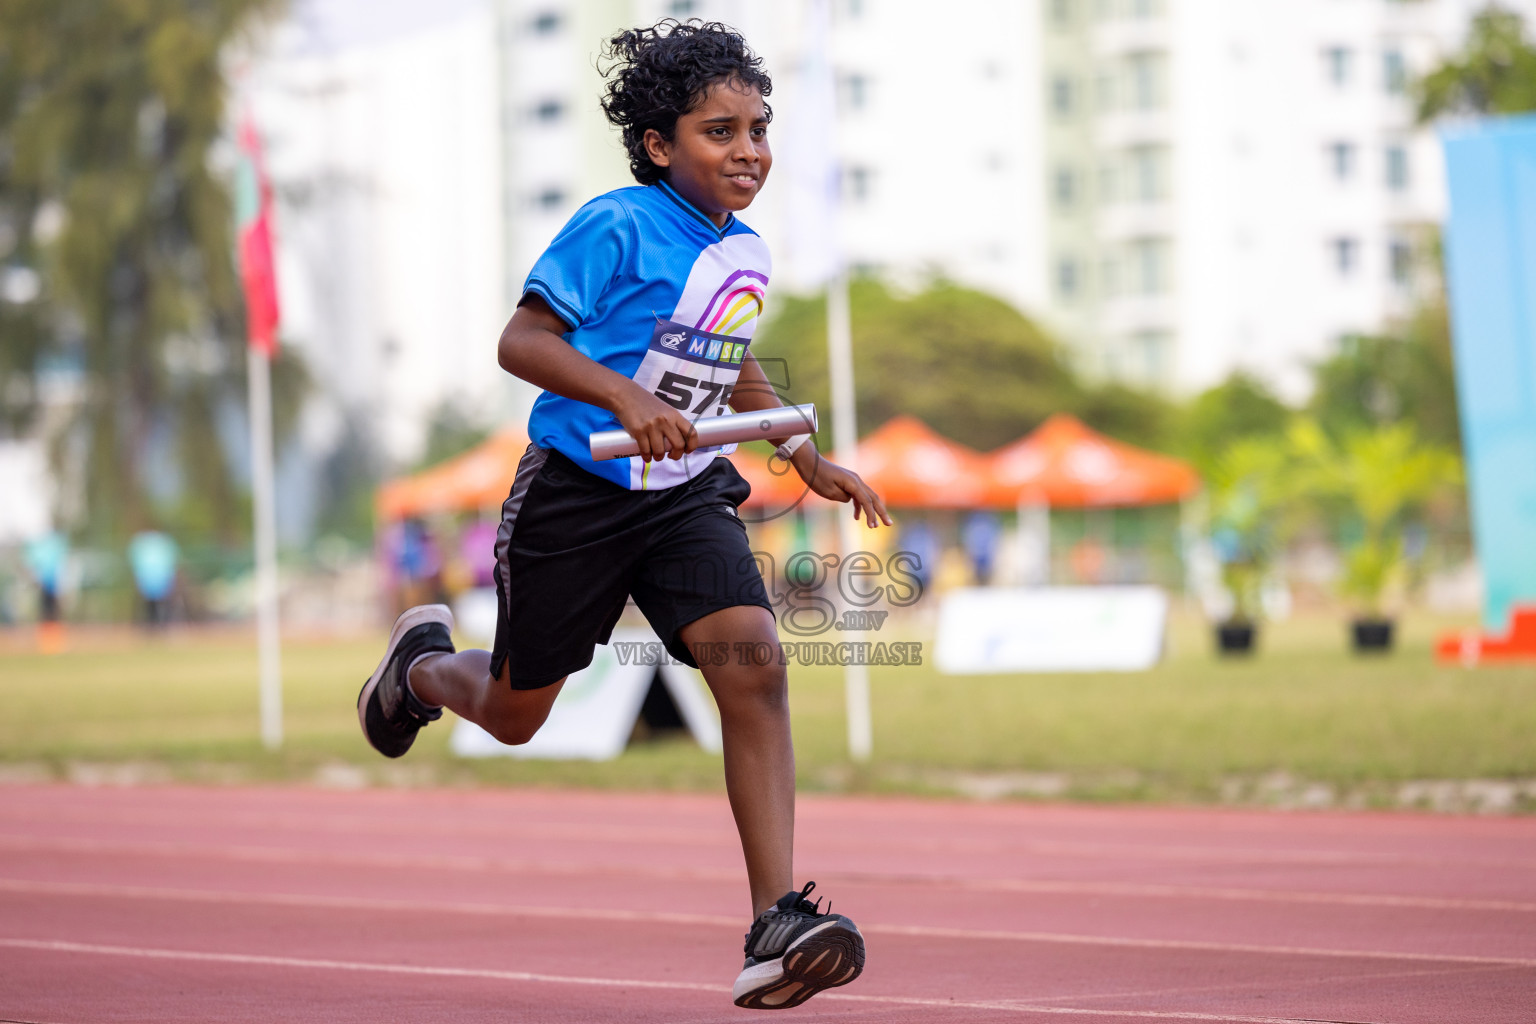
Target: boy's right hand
pixel 661 431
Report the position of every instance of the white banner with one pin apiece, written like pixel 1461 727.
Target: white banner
pixel 597 709
pixel 1051 629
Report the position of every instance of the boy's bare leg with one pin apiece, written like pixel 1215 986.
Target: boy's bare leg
pixel 759 753
pixel 463 684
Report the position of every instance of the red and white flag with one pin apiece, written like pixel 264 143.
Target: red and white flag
pixel 253 219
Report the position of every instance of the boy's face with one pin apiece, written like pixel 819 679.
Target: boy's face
pixel 718 157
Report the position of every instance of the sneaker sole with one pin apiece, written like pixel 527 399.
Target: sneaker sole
pixel 408 620
pixel 827 956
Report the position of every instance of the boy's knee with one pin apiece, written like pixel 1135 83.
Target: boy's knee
pixel 513 726
pixel 513 732
pixel 513 716
pixel 767 685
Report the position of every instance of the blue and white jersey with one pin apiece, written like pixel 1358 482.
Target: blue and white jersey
pixel 655 291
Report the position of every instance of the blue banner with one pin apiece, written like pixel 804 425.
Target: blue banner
pixel 1490 244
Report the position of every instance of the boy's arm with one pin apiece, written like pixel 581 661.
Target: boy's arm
pixel 532 347
pixel 828 479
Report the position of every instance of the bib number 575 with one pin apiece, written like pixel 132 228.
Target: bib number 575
pixel 678 392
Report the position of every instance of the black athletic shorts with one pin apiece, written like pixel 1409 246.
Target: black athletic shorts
pixel 574 547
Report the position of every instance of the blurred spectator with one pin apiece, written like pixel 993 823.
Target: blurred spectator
pixel 954 570
pixel 418 565
pixel 1088 560
pixel 152 556
pixel 981 535
pixel 919 540
pixel 477 548
pixel 46 556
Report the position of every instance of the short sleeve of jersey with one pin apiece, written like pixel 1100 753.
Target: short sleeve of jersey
pixel 582 261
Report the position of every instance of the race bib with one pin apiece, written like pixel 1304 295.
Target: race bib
pixel 694 372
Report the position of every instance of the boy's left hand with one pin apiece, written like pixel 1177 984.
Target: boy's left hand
pixel 830 480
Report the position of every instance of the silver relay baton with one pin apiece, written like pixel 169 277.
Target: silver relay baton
pixel 786 420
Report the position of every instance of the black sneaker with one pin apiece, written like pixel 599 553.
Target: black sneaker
pixel 390 713
pixel 794 951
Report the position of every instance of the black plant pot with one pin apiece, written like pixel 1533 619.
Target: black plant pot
pixel 1372 636
pixel 1235 637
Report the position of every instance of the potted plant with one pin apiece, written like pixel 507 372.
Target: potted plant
pixel 1384 478
pixel 1247 489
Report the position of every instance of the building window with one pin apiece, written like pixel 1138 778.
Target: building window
pixel 1149 264
pixel 1394 72
pixel 546 23
pixel 853 92
pixel 1400 259
pixel 1064 187
pixel 1346 253
pixel 1061 96
pixel 1341 160
pixel 1144 78
pixel 1146 173
pixel 1336 60
pixel 1104 92
pixel 1151 354
pixel 1066 279
pixel 1397 168
pixel 549 111
pixel 858 182
pixel 1108 182
pixel 549 199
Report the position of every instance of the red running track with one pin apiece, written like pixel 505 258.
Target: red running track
pixel 231 905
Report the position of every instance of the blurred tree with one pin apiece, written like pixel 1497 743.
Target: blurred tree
pixel 1407 376
pixel 1495 73
pixel 452 429
pixel 1240 407
pixel 348 481
pixel 1252 513
pixel 1139 417
pixel 968 364
pixel 1387 477
pixel 110 112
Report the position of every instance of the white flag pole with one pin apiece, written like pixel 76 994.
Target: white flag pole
pixel 822 96
pixel 845 439
pixel 268 645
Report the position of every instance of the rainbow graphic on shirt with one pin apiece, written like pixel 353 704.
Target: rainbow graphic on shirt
pixel 735 305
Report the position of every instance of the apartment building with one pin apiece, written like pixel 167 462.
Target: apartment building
pixel 1178 188
pixel 1234 184
pixel 929 140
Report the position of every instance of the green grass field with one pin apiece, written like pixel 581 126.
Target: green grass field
pixel 1304 722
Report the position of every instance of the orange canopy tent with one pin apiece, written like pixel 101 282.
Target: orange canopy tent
pixel 1062 464
pixel 910 466
pixel 1066 465
pixel 480 478
pixel 774 489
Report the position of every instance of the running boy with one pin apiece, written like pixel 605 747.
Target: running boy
pixel 639 315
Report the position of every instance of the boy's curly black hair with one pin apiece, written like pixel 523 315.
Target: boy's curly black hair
pixel 658 74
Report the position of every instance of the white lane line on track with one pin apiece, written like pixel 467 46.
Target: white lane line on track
pixel 726 839
pixel 457 862
pixel 256 960
pixel 654 917
pixel 1461 972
